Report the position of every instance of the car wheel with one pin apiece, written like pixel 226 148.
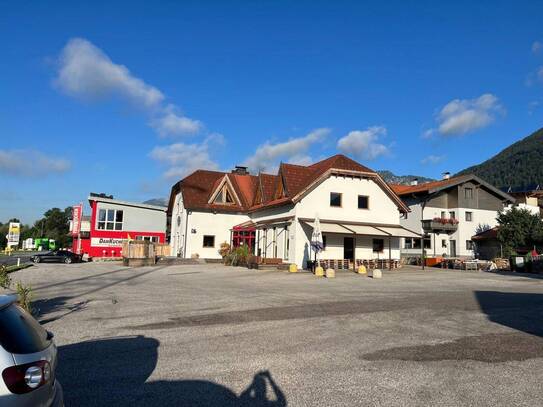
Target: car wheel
pixel 68 260
pixel 36 259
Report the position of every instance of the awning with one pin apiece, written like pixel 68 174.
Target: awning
pixel 399 231
pixel 361 229
pixel 365 230
pixel 331 228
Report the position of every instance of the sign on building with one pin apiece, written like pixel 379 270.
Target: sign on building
pixel 106 242
pixel 14 233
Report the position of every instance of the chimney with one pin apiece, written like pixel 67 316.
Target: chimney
pixel 240 170
pixel 414 181
pixel 446 175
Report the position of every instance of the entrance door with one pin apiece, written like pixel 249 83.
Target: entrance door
pixel 348 248
pixel 453 248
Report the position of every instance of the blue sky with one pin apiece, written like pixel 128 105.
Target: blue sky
pixel 126 98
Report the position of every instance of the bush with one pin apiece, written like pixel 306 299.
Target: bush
pixel 5 279
pixel 238 256
pixel 25 296
pixel 224 249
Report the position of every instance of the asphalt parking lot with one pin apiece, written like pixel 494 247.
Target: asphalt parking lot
pixel 209 335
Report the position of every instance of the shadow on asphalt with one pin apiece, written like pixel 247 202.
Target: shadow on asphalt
pixel 115 371
pixel 47 306
pixel 520 311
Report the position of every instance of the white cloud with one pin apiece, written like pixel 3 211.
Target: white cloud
pixel 86 72
pixel 174 124
pixel 182 159
pixel 364 143
pixel 30 163
pixel 433 159
pixel 462 116
pixel 540 73
pixel 537 46
pixel 294 151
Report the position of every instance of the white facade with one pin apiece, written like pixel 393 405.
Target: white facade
pixel 285 235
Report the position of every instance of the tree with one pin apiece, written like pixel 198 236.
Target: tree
pixel 519 229
pixel 482 227
pixel 55 225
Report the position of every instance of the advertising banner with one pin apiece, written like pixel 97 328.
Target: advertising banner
pixel 14 233
pixel 77 213
pixel 106 242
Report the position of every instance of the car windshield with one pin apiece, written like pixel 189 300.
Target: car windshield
pixel 20 333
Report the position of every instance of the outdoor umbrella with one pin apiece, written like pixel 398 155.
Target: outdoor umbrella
pixel 316 238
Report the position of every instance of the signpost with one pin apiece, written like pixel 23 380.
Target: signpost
pixel 77 213
pixel 14 233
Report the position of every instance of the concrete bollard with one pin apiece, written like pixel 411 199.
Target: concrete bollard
pixel 362 270
pixel 330 273
pixel 293 268
pixel 376 273
pixel 319 271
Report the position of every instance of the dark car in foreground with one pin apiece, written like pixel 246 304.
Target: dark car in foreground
pixel 59 256
pixel 28 359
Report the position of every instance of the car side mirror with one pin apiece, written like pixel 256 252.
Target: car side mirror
pixel 50 335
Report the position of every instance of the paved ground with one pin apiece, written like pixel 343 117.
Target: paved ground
pixel 214 336
pixel 11 260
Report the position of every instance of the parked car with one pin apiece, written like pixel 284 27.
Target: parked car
pixel 63 256
pixel 28 359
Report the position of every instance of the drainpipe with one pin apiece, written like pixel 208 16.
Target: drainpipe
pixel 186 236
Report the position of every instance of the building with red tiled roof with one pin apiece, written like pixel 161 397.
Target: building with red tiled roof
pixel 274 214
pixel 448 212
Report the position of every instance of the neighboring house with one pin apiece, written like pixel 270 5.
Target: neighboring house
pixel 274 214
pixel 449 211
pixel 530 198
pixel 112 221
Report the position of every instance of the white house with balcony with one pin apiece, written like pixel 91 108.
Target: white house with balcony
pixel 449 212
pixel 274 214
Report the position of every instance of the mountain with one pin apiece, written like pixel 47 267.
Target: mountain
pixel 157 202
pixel 391 178
pixel 519 165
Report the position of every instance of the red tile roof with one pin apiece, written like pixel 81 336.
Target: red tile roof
pixel 425 187
pixel 198 187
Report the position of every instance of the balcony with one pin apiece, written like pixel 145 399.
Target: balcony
pixel 440 225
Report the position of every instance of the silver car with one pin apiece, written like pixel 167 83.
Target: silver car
pixel 28 359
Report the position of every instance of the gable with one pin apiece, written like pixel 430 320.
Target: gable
pixel 381 207
pixel 224 194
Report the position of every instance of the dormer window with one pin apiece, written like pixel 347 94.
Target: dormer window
pixel 224 197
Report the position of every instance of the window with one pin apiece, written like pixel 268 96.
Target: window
pixel 335 199
pixel 470 245
pixel 378 245
pixel 110 219
pixel 153 239
pixel 20 333
pixel 443 215
pixel 469 216
pixel 224 197
pixel 209 241
pixel 444 243
pixel 427 244
pixel 468 193
pixel 452 215
pixel 323 242
pixel 363 202
pixel 408 244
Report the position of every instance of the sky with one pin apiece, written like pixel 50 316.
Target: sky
pixel 127 98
